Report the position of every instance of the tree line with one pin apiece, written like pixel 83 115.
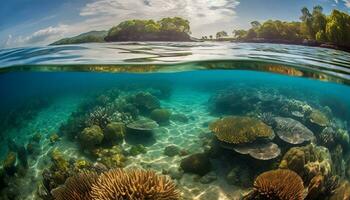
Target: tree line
pixel 314 26
pixel 166 29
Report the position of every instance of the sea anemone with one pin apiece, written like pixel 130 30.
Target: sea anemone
pixel 238 130
pixel 77 187
pixel 279 184
pixel 132 185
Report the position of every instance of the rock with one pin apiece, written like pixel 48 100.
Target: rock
pixel 208 178
pixel 198 163
pixel 114 132
pixel 91 137
pixel 160 115
pixel 171 150
pixel 179 118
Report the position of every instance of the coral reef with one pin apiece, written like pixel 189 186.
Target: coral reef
pixel 137 149
pixel 238 130
pixel 146 102
pixel 76 187
pixel 114 132
pixel 308 161
pixel 54 138
pixel 133 184
pixel 113 157
pixel 342 192
pixel 292 131
pixel 278 184
pixel 90 137
pixel 160 115
pixel 261 151
pixel 198 163
pixel 319 118
pixel 171 150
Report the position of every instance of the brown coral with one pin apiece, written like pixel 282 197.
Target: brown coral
pixel 238 130
pixel 279 184
pixel 133 185
pixel 77 187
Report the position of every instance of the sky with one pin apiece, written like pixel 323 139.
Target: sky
pixel 41 22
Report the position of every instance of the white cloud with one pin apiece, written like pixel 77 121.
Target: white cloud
pixel 42 36
pixel 347 3
pixel 201 13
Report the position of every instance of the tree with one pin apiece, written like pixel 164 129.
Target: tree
pixel 221 34
pixel 239 34
pixel 319 22
pixel 255 24
pixel 306 18
pixel 338 28
pixel 211 37
pixel 166 29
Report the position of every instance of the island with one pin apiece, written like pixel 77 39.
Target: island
pixel 166 29
pixel 314 29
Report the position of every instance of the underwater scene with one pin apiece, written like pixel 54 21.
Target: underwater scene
pixel 171 121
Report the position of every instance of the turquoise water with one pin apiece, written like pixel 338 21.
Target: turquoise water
pixel 211 117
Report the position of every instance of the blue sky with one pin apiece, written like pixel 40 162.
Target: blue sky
pixel 39 22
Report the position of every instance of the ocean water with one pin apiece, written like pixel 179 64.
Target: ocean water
pixel 217 120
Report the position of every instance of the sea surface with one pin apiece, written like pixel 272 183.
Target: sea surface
pixel 219 121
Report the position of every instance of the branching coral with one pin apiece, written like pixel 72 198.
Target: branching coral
pixel 133 185
pixel 238 130
pixel 279 184
pixel 77 187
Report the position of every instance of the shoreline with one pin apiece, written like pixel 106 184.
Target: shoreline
pixel 307 44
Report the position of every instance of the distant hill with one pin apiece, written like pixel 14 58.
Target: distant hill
pixel 91 36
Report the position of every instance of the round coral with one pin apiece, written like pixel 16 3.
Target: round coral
pixel 91 136
pixel 133 184
pixel 160 115
pixel 279 184
pixel 239 130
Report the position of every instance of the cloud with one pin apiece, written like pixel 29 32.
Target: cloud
pixel 42 36
pixel 201 13
pixel 347 3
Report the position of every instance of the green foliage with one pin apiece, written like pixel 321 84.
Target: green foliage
pixel 315 26
pixel 240 34
pixel 92 36
pixel 221 34
pixel 338 28
pixel 168 28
